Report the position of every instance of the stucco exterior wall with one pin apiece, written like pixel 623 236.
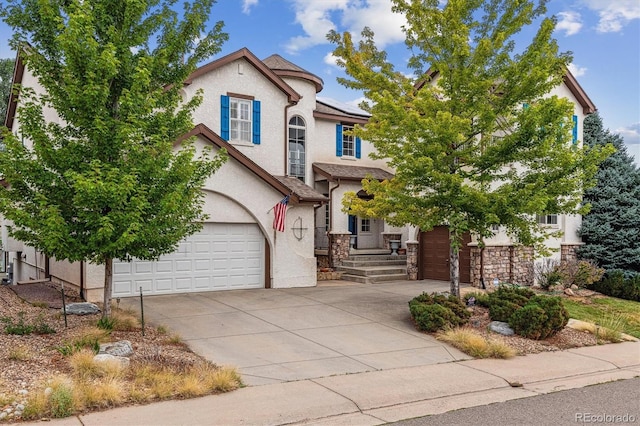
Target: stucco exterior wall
pixel 242 78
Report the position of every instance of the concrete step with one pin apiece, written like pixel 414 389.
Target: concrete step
pixel 365 263
pixel 372 279
pixel 371 252
pixel 373 270
pixel 376 257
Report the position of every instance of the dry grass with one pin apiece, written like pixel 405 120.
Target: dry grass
pixel 125 320
pixel 475 344
pixel 85 368
pixel 20 353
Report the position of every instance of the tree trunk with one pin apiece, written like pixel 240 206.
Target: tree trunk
pixel 108 281
pixel 454 265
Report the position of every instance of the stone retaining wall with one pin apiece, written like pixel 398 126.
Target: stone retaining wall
pixel 338 248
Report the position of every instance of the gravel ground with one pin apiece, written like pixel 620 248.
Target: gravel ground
pixel 28 360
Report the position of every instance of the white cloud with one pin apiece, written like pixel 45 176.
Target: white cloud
pixel 631 134
pixel 317 18
pixel 331 59
pixel 614 14
pixel 576 70
pixel 247 5
pixel 569 22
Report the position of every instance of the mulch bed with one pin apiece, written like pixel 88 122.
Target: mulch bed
pixel 44 293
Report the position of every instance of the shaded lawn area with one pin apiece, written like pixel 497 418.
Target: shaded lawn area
pixel 601 309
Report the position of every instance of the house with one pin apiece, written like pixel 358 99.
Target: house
pixel 282 140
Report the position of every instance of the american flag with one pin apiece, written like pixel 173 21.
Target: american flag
pixel 280 210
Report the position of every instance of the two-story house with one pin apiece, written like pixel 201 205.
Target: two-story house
pixel 282 140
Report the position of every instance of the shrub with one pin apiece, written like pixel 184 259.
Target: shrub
pixel 547 273
pixel 20 327
pixel 540 318
pixel 617 283
pixel 581 273
pixel 529 321
pixel 506 300
pixel 436 312
pixel 501 310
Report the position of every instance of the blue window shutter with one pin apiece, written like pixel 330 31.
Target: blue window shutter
pixel 256 122
pixel 575 129
pixel 224 117
pixel 338 140
pixel 358 147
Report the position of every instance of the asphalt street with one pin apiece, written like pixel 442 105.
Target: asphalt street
pixel 608 403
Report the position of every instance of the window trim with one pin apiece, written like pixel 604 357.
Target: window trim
pixel 301 142
pixel 550 219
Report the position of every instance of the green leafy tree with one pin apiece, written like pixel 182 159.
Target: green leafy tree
pixel 102 181
pixel 611 230
pixel 473 138
pixel 6 74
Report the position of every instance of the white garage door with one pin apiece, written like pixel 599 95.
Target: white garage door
pixel 220 257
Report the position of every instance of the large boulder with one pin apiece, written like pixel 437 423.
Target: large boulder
pixel 501 328
pixel 121 348
pixel 83 308
pixel 124 361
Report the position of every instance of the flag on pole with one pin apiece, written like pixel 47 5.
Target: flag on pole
pixel 280 210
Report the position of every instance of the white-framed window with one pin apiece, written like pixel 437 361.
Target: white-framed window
pixel 240 119
pixel 365 225
pixel 297 145
pixel 348 142
pixel 547 219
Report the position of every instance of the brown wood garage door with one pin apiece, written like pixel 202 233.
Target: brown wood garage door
pixel 434 256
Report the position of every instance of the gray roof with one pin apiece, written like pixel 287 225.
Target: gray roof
pixel 325 108
pixel 341 171
pixel 302 190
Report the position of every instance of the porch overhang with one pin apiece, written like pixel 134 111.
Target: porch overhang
pixel 335 172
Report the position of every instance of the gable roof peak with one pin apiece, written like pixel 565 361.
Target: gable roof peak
pixel 285 68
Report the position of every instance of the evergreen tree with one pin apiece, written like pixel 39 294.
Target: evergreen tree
pixel 611 229
pixel 474 139
pixel 104 182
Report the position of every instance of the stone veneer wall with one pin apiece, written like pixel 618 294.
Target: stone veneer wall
pixel 338 248
pixel 510 264
pixel 412 260
pixel 568 253
pixel 322 260
pixel 388 237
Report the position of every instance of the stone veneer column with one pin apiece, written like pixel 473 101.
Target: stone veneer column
pixel 412 260
pixel 338 247
pixel 568 252
pixel 509 264
pixel 476 267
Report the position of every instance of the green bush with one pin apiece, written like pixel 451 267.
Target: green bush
pixel 436 312
pixel 506 300
pixel 617 283
pixel 21 327
pixel 501 310
pixel 540 318
pixel 529 321
pixel 482 299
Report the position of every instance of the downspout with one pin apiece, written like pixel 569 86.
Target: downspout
pixel 286 139
pixel 331 220
pixel 82 295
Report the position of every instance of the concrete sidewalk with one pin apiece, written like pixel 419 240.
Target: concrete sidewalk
pixel 378 397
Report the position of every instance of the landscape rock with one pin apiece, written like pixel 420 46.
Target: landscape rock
pixel 574 287
pixel 569 292
pixel 121 348
pixel 501 328
pixel 124 361
pixel 83 308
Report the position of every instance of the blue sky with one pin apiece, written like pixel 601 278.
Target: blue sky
pixel 604 36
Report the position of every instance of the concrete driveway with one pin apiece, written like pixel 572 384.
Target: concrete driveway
pixel 279 335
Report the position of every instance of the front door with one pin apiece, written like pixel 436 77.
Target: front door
pixel 369 233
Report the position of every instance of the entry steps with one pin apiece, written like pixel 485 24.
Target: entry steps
pixel 373 268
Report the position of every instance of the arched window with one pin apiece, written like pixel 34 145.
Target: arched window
pixel 297 141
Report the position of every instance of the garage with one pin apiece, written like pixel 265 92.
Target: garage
pixel 222 256
pixel 434 256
